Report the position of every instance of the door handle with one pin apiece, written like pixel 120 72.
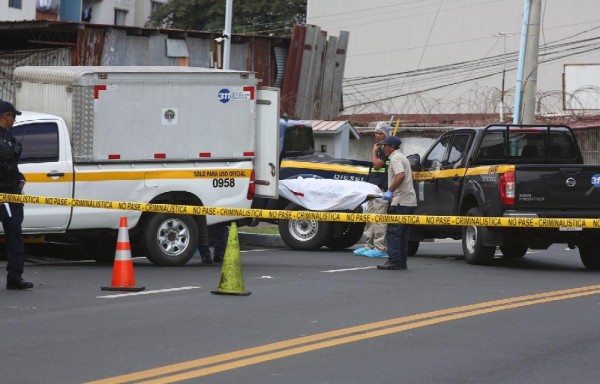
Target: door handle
pixel 272 169
pixel 55 174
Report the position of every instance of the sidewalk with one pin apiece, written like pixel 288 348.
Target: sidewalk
pixel 260 239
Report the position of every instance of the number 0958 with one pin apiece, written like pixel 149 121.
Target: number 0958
pixel 223 183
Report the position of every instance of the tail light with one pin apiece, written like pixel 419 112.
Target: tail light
pixel 507 188
pixel 251 186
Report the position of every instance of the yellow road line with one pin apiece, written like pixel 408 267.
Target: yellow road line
pixel 245 357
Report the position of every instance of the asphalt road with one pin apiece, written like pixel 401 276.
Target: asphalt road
pixel 312 317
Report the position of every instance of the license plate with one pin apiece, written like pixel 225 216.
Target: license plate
pixel 570 229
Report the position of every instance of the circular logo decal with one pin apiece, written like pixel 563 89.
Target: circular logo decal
pixel 224 95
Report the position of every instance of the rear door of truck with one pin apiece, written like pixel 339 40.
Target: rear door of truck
pixel 549 175
pixel 559 190
pixel 267 143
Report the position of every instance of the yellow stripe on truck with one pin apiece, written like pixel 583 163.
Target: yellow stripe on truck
pixel 359 169
pixel 592 223
pixel 462 172
pixel 141 175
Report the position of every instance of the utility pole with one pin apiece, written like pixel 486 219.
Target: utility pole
pixel 227 34
pixel 504 35
pixel 528 64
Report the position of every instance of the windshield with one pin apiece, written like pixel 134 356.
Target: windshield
pixel 298 138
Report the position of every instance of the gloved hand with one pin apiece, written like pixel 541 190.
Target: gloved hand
pixel 387 196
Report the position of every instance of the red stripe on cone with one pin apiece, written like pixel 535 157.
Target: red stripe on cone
pixel 123 246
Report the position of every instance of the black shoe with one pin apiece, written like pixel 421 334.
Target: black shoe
pixel 18 285
pixel 391 266
pixel 206 259
pixel 218 259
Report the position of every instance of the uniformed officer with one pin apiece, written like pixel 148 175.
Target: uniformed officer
pixel 12 181
pixel 403 200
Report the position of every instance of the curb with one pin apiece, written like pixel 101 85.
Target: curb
pixel 275 241
pixel 260 239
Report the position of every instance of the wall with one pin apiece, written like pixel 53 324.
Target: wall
pixel 393 40
pixel 27 11
pixel 138 11
pixel 143 10
pixel 338 145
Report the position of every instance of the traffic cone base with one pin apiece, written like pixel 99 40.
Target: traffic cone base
pixel 232 281
pixel 123 278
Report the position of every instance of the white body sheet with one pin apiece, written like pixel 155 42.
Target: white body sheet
pixel 328 195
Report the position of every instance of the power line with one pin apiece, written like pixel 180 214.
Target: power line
pixel 564 52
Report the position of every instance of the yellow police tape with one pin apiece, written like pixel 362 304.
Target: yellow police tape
pixel 567 223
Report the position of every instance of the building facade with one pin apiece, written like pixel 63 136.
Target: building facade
pixel 16 10
pixel 120 12
pixel 436 57
pixel 134 13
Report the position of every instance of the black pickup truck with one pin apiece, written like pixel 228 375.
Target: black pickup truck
pixel 299 159
pixel 508 171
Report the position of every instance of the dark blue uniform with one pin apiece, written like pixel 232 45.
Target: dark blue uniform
pixel 10 178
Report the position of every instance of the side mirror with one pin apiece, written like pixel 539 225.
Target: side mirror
pixel 415 162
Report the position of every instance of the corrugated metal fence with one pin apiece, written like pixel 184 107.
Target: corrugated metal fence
pixel 10 60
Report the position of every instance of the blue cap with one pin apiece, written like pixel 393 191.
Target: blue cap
pixel 391 140
pixel 6 107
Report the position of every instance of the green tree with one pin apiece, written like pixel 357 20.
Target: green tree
pixel 249 16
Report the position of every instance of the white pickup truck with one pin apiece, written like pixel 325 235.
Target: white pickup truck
pixel 166 135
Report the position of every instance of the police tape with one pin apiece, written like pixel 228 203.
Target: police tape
pixel 564 223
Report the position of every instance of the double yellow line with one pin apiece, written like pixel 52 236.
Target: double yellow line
pixel 245 357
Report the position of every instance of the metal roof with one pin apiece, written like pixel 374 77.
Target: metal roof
pixel 333 127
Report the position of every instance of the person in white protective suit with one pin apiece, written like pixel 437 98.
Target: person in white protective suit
pixel 375 245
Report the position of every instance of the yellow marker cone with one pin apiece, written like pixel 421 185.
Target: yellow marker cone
pixel 232 281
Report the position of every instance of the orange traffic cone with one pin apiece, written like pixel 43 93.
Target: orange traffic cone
pixel 123 278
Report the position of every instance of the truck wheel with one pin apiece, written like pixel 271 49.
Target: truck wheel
pixel 514 250
pixel 170 240
pixel 306 235
pixel 589 260
pixel 100 249
pixel 413 247
pixel 473 249
pixel 349 234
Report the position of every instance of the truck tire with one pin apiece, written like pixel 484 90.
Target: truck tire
pixel 305 235
pixel 413 247
pixel 475 252
pixel 170 240
pixel 349 234
pixel 514 250
pixel 589 258
pixel 100 249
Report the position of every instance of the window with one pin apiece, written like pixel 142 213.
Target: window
pixel 434 159
pixel 457 149
pixel 120 16
pixel 15 4
pixel 40 142
pixel 155 6
pixel 299 138
pixel 562 148
pixel 492 146
pixel 529 145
